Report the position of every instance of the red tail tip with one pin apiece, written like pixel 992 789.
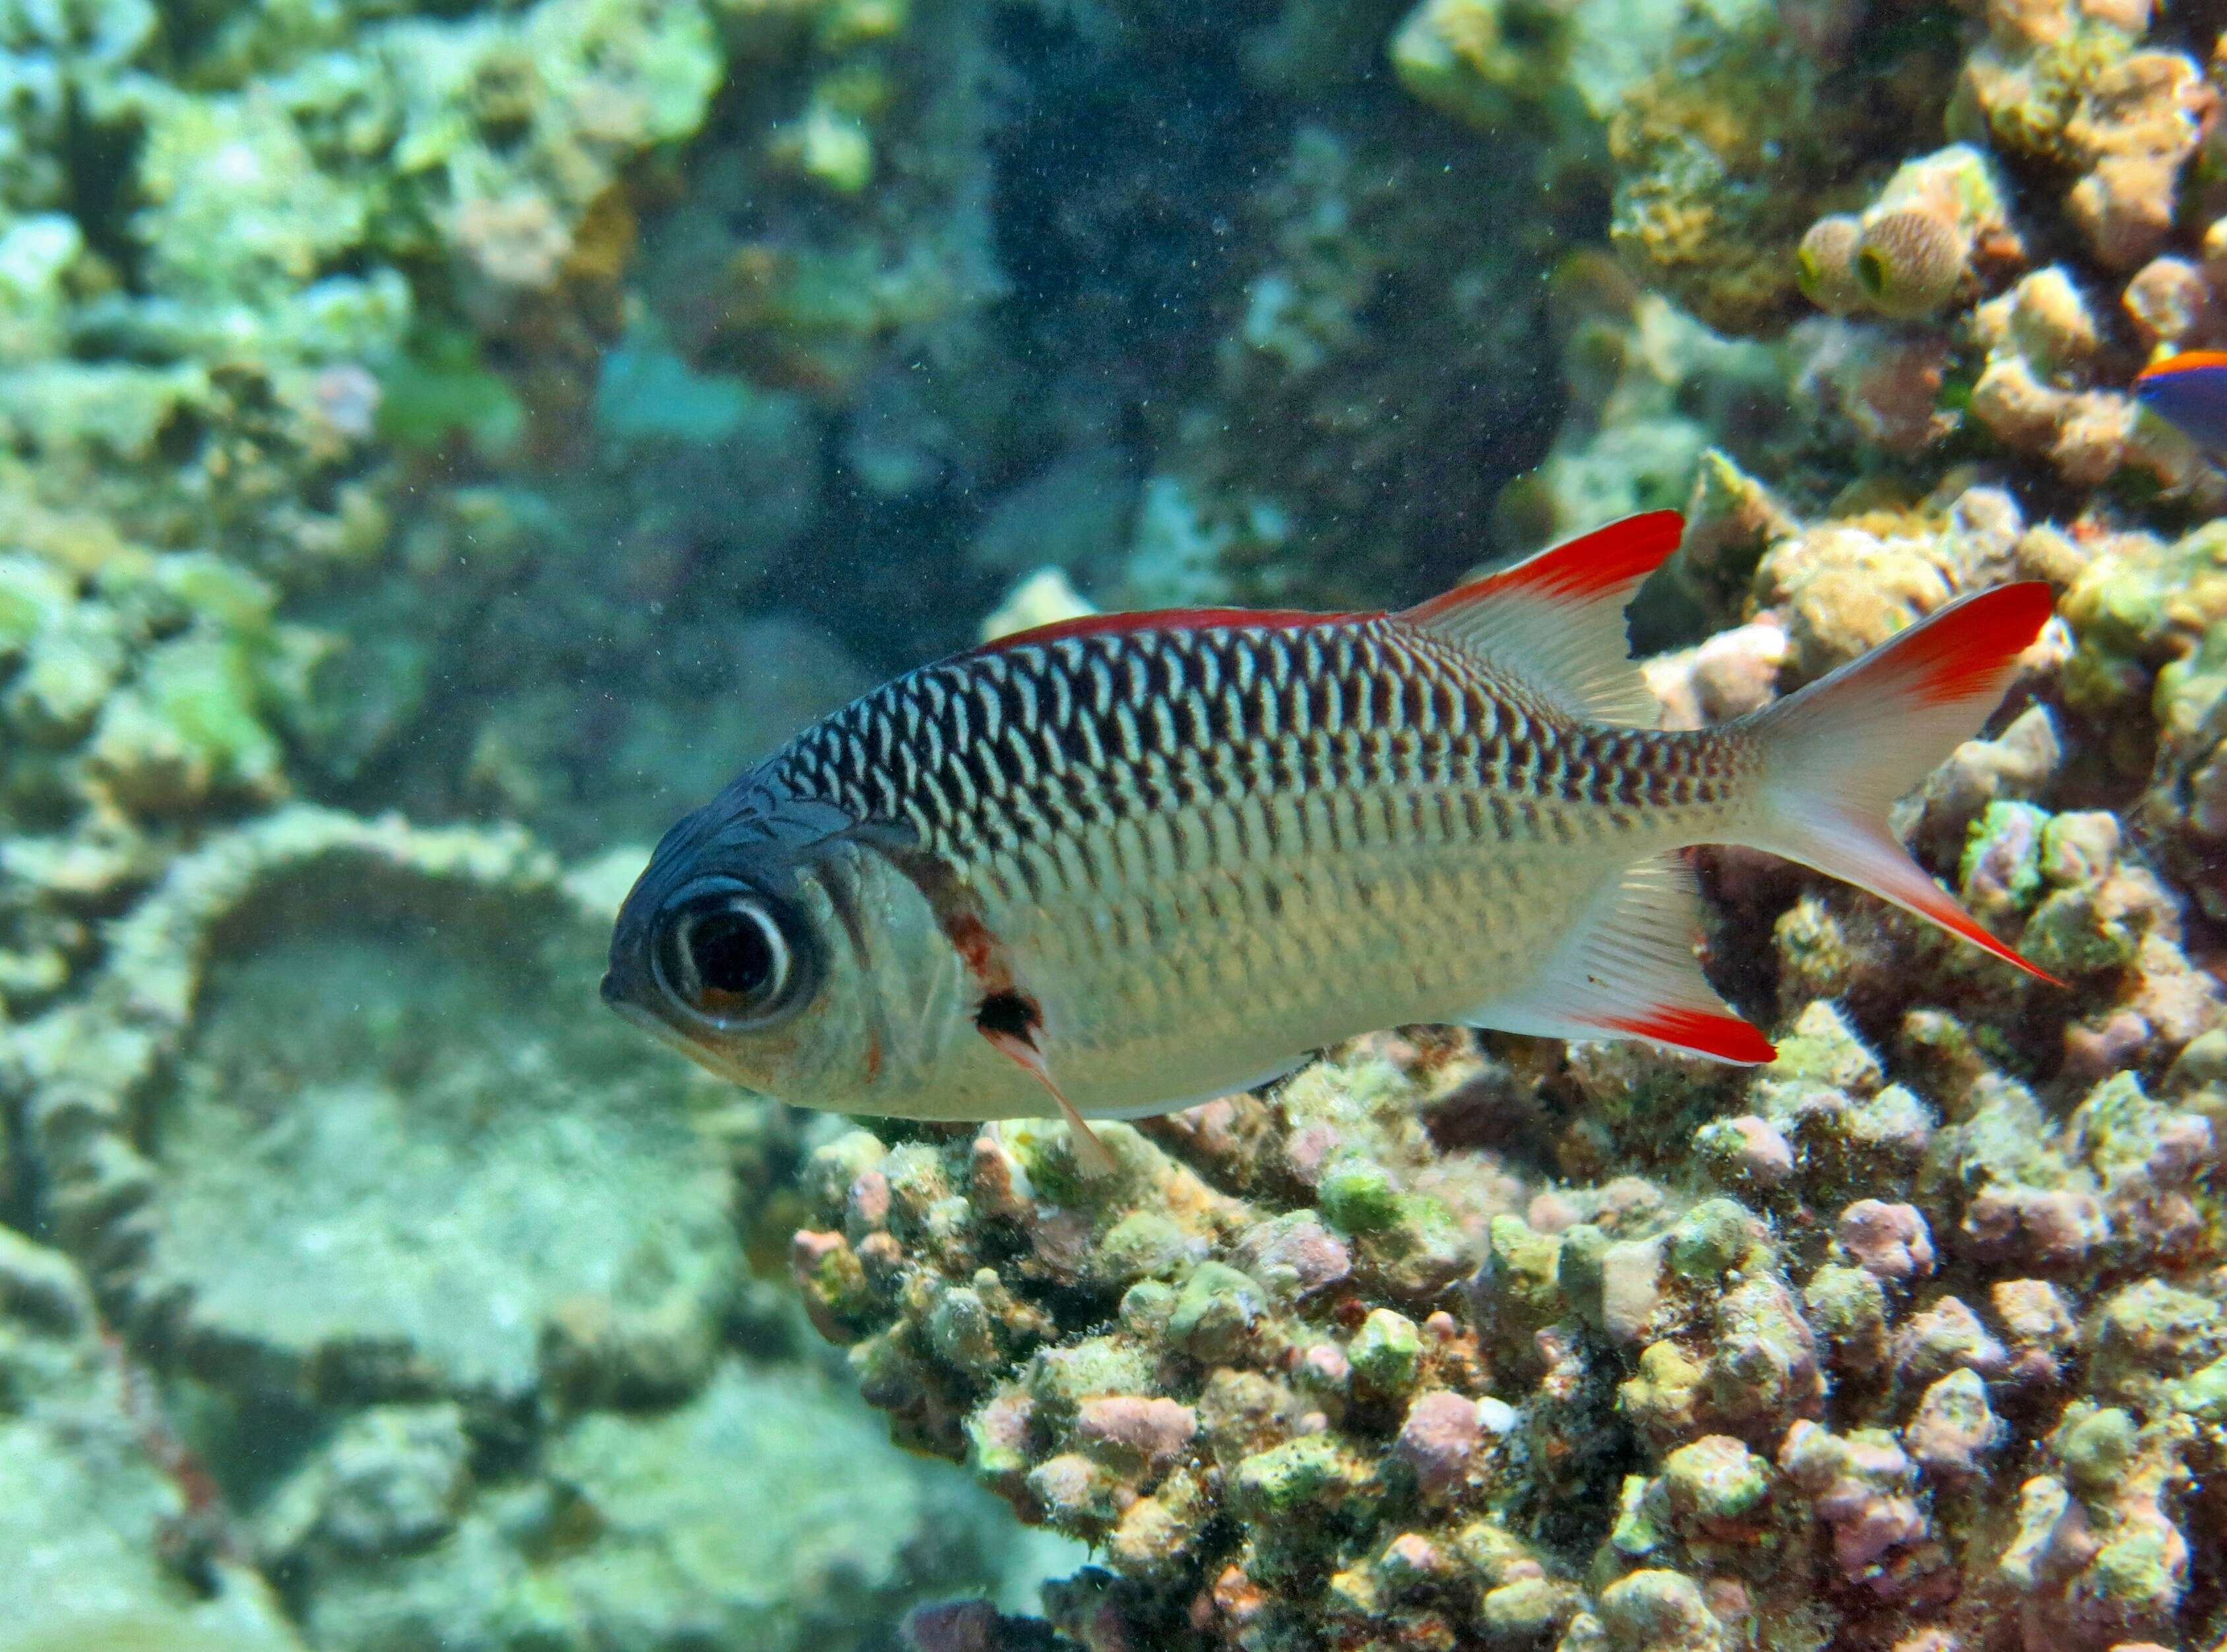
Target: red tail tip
pixel 1952 917
pixel 1964 651
pixel 1726 1036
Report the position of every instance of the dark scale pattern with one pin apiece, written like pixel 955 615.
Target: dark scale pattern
pixel 1022 743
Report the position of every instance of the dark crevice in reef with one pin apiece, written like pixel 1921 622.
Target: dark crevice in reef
pixel 1570 1511
pixel 1120 176
pixel 101 161
pixel 879 602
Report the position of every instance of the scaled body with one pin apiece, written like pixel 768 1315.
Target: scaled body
pixel 1135 863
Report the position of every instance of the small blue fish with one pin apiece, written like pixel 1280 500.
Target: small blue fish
pixel 2189 390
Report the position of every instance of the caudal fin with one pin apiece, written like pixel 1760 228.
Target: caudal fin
pixel 1842 749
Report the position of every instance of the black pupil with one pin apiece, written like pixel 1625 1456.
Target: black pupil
pixel 732 953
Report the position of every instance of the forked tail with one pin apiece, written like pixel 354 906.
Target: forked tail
pixel 1841 750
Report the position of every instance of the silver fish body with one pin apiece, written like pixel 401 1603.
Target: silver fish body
pixel 1164 859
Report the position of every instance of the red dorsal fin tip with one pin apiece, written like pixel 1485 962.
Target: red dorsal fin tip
pixel 1724 1036
pixel 1592 563
pixel 1966 654
pixel 1556 620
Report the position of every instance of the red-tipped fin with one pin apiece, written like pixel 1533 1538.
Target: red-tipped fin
pixel 1842 749
pixel 1556 620
pixel 1626 969
pixel 1720 1037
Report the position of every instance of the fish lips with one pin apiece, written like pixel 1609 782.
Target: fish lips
pixel 665 1033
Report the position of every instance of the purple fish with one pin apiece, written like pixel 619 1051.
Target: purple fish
pixel 2189 390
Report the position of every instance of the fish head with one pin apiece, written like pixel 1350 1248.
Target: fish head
pixel 744 945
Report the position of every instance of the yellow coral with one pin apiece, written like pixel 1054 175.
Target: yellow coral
pixel 1717 178
pixel 1909 263
pixel 1825 264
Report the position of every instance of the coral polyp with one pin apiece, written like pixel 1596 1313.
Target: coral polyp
pixel 1907 262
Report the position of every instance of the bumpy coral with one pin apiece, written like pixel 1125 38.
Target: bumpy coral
pixel 1252 1375
pixel 1723 156
pixel 1917 247
pixel 1915 1330
pixel 1918 244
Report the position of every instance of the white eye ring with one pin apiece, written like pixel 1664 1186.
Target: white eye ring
pixel 747 949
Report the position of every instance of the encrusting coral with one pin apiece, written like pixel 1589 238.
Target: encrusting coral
pixel 1306 1373
pixel 1569 1348
pixel 1910 1338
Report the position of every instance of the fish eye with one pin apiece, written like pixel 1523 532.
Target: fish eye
pixel 727 958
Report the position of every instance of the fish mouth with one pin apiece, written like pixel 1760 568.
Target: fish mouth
pixel 640 1015
pixel 636 1014
pixel 664 1032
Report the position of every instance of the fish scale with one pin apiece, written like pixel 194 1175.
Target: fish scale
pixel 1248 807
pixel 1116 733
pixel 1115 866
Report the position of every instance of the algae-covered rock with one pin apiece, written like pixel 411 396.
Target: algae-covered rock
pixel 384 1149
pixel 764 1512
pixel 108 1529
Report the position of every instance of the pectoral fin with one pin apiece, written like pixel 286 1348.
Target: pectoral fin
pixel 1009 1021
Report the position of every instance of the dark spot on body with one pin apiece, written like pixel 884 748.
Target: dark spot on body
pixel 1011 1013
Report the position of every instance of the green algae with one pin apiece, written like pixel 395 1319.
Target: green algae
pixel 439 387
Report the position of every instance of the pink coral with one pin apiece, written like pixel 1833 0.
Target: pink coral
pixel 1151 1431
pixel 1438 1439
pixel 1860 1485
pixel 1889 1242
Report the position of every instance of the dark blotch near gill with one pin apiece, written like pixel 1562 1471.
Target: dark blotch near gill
pixel 1011 1013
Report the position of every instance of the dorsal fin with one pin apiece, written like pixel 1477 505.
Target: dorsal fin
pixel 1556 620
pixel 1626 969
pixel 1162 619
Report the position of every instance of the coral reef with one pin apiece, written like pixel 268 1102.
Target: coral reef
pixel 103 1534
pixel 357 1173
pixel 235 1117
pixel 1320 1367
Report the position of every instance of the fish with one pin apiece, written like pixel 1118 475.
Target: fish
pixel 2189 391
pixel 1116 866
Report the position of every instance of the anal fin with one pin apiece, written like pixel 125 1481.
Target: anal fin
pixel 1627 970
